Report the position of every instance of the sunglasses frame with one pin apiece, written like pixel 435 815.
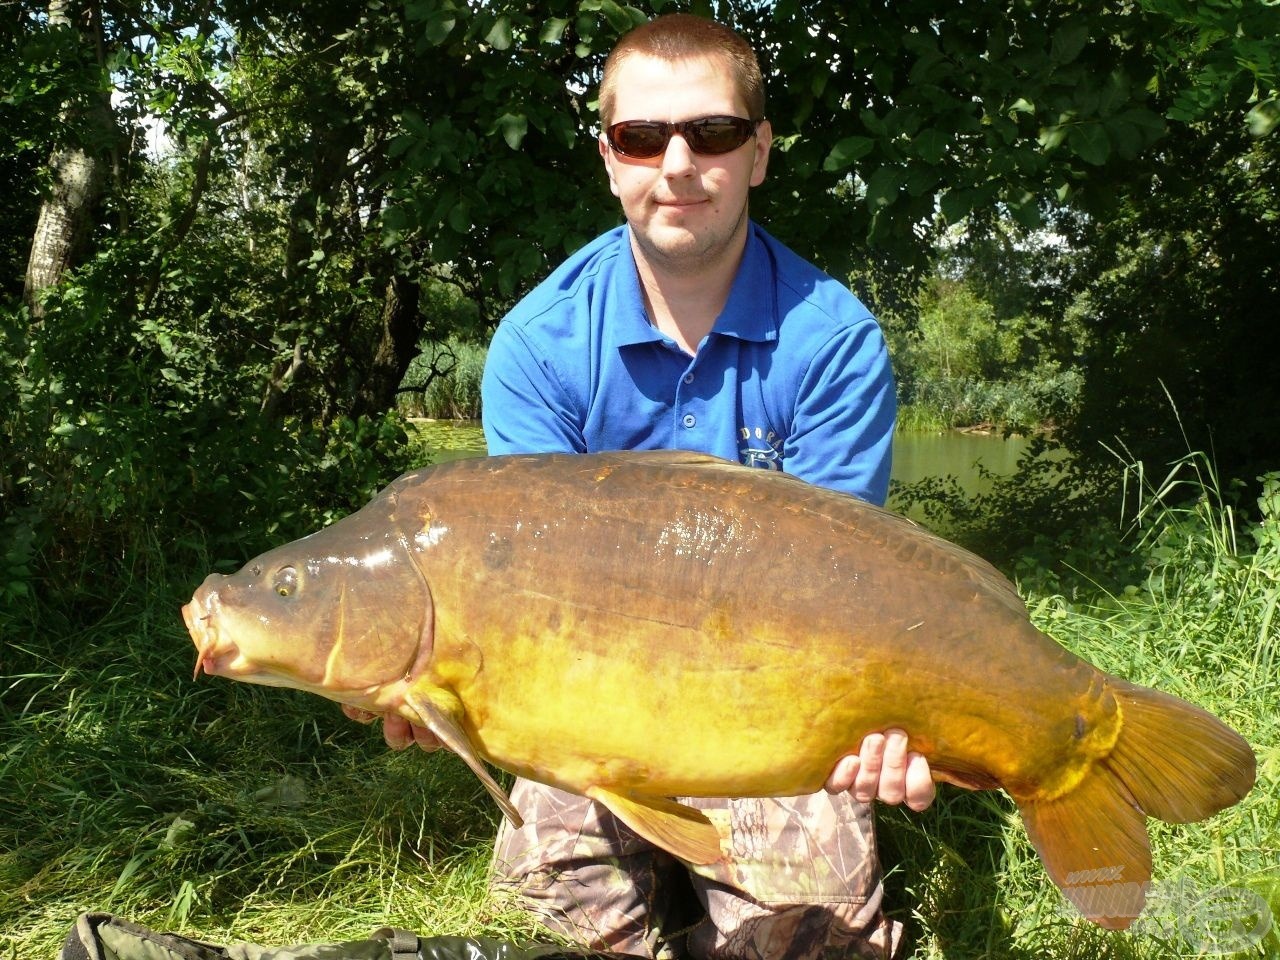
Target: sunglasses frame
pixel 746 128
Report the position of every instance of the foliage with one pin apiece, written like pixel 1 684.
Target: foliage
pixel 288 189
pixel 1023 404
pixel 443 380
pixel 968 353
pixel 1046 510
pixel 1191 256
pixel 992 109
pixel 123 435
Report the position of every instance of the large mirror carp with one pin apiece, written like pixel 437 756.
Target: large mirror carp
pixel 636 627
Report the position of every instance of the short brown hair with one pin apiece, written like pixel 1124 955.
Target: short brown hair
pixel 677 36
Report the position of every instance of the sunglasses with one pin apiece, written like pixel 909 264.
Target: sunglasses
pixel 710 136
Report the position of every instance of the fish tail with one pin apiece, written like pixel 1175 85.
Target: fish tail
pixel 1181 763
pixel 1173 761
pixel 1093 841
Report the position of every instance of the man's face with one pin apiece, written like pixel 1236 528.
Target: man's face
pixel 686 211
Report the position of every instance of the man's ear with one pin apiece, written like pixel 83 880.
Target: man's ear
pixel 609 160
pixel 760 162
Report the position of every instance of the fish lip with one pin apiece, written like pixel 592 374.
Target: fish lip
pixel 199 616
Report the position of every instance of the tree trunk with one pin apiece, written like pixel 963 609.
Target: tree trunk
pixel 309 222
pixel 77 175
pixel 402 324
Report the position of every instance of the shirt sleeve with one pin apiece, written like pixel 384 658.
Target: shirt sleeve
pixel 842 427
pixel 524 406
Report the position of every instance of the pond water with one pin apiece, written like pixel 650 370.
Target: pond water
pixel 920 455
pixel 915 455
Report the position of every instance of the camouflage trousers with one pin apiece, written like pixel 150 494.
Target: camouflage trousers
pixel 801 880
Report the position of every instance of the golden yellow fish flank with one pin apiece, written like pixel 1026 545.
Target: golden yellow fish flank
pixel 640 626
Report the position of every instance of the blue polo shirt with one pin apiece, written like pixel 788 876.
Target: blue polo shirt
pixel 794 375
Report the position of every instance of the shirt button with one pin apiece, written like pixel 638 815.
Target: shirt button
pixel 688 378
pixel 689 420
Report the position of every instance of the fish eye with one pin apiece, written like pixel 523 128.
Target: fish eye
pixel 285 582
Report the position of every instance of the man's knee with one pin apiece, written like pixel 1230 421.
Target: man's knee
pixel 585 875
pixel 751 931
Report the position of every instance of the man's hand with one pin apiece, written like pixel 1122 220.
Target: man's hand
pixel 884 768
pixel 396 730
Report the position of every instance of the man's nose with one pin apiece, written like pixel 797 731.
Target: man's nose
pixel 677 159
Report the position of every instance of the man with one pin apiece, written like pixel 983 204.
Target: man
pixel 690 327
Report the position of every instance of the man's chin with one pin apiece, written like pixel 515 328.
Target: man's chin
pixel 677 247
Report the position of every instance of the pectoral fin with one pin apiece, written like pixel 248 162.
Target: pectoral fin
pixel 962 775
pixel 676 828
pixel 441 713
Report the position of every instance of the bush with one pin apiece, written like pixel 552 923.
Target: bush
pixel 1019 405
pixel 120 433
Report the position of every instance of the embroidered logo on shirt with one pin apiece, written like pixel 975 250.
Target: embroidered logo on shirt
pixel 760 447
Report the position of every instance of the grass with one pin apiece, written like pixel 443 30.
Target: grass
pixel 230 812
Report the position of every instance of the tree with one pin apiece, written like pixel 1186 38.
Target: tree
pixel 1178 286
pixel 78 160
pixel 252 293
pixel 985 110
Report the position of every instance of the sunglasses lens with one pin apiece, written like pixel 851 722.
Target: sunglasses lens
pixel 639 138
pixel 644 139
pixel 713 135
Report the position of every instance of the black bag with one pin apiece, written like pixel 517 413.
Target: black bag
pixel 101 936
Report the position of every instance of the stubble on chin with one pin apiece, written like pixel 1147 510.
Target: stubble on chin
pixel 685 250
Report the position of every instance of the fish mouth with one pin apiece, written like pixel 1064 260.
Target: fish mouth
pixel 212 657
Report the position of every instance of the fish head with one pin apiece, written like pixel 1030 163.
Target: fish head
pixel 344 613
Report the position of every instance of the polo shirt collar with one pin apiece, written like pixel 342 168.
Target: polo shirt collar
pixel 750 313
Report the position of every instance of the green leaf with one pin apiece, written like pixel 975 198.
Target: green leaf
pixel 1068 41
pixel 438 28
pixel 1262 119
pixel 882 188
pixel 956 204
pixel 922 180
pixel 1148 121
pixel 931 143
pixel 1089 142
pixel 1027 212
pixel 1051 137
pixel 847 151
pixel 514 127
pixel 618 18
pixel 1127 138
pixel 871 121
pixel 460 217
pixel 499 35
pixel 553 30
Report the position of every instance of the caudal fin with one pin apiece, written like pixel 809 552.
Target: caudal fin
pixel 1094 845
pixel 1181 763
pixel 1173 761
